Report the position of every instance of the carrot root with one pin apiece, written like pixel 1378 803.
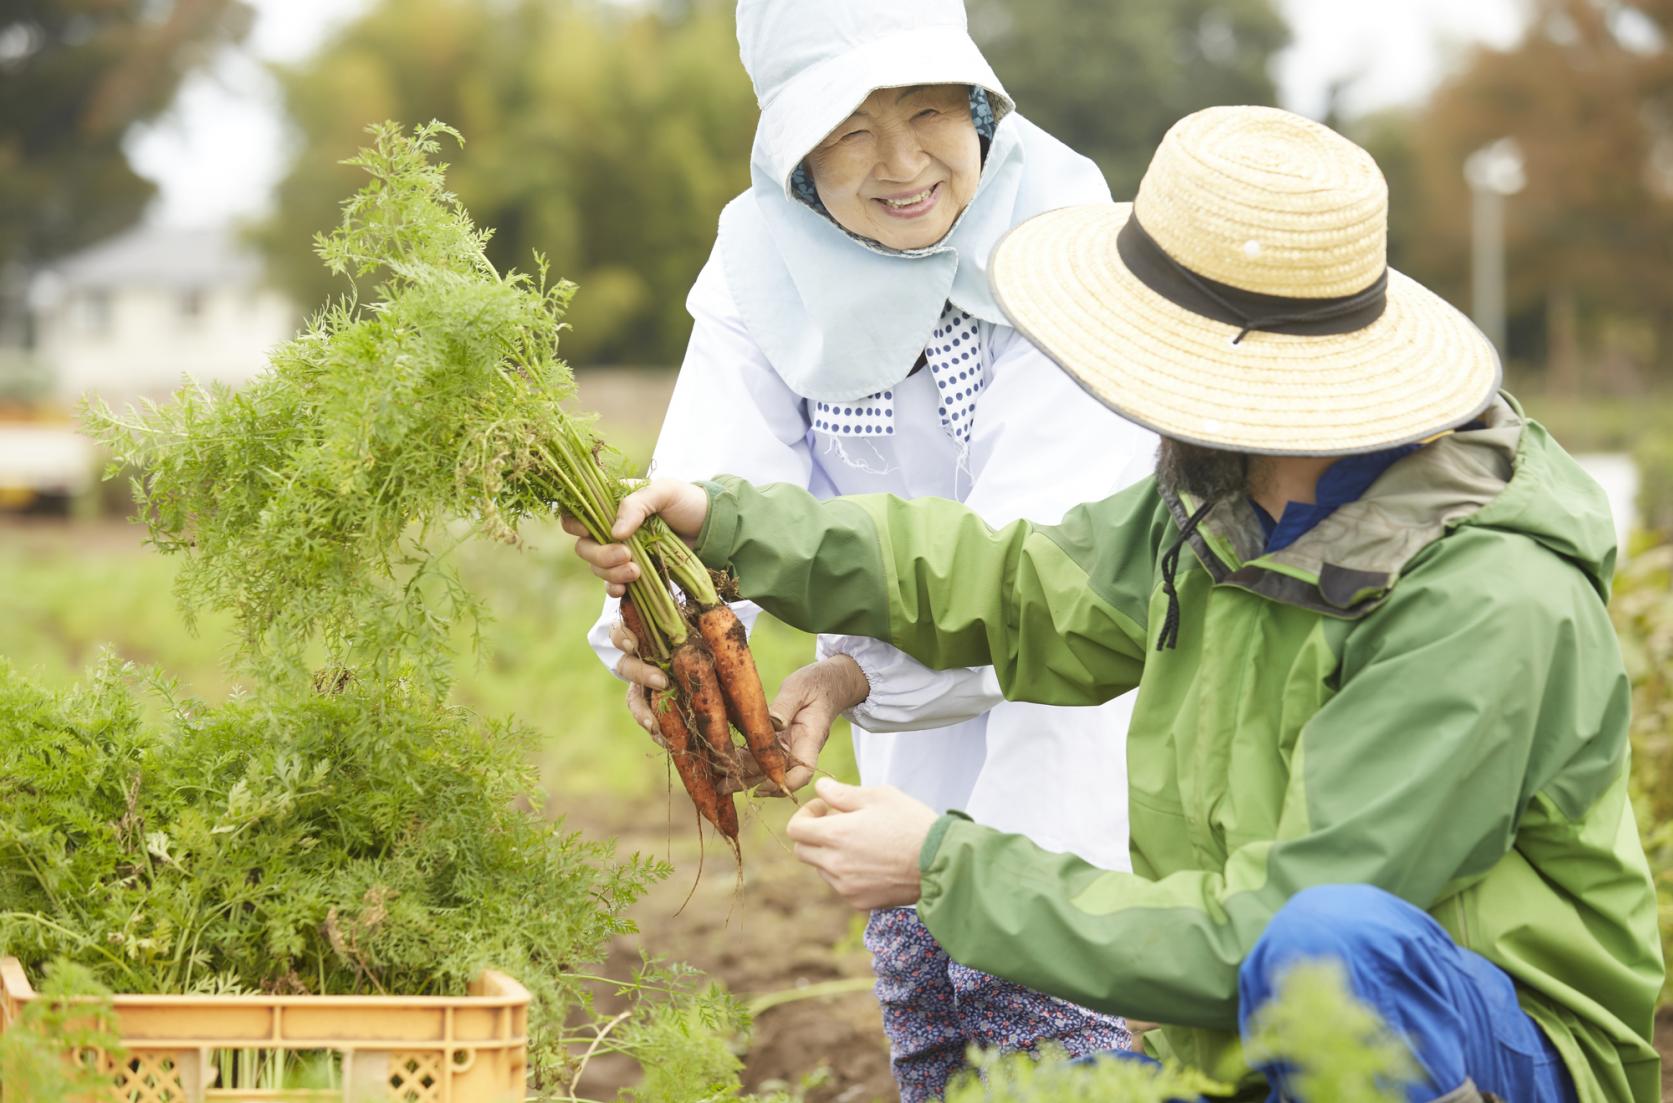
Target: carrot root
pixel 692 764
pixel 740 684
pixel 694 672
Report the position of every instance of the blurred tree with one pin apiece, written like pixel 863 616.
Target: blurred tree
pixel 1110 78
pixel 606 137
pixel 610 135
pixel 1588 96
pixel 75 76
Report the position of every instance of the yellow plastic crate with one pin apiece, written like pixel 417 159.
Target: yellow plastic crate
pixel 384 1049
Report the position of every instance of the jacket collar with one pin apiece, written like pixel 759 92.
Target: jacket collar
pixel 1346 565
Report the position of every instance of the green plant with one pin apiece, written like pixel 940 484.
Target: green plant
pixel 1339 1049
pixel 1049 1077
pixel 363 839
pixel 63 1043
pixel 1642 607
pixel 684 1045
pixel 321 503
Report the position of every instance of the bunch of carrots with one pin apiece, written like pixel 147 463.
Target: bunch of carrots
pixel 311 502
pixel 699 643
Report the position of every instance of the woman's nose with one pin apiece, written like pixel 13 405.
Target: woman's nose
pixel 901 156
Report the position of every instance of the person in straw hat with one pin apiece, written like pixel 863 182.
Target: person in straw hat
pixel 1381 709
pixel 845 339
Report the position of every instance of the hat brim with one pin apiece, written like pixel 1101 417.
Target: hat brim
pixel 806 109
pixel 1418 370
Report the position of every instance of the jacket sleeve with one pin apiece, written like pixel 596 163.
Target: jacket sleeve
pixel 1060 612
pixel 1412 778
pixel 1041 446
pixel 730 411
pixel 905 695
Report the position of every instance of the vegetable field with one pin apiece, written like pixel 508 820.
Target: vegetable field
pixel 779 944
pixel 345 817
pixel 77 588
pixel 349 738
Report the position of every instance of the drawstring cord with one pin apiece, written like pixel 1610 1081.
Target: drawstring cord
pixel 1168 638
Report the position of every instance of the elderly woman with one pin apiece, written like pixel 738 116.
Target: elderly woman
pixel 845 340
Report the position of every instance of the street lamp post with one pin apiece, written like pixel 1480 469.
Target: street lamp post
pixel 1493 172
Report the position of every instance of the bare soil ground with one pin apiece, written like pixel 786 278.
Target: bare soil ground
pixel 780 933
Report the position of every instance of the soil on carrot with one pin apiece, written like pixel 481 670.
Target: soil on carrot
pixel 782 934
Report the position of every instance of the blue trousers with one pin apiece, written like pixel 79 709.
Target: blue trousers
pixel 1456 1009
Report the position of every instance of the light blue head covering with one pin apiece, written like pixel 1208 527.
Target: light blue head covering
pixel 837 316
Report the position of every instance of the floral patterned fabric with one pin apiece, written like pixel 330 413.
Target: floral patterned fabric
pixel 934 1009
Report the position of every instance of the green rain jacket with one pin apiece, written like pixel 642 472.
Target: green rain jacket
pixel 1424 693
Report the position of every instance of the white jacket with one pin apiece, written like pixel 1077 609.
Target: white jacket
pixel 1040 446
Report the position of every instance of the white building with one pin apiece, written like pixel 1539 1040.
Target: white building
pixel 135 314
pixel 126 319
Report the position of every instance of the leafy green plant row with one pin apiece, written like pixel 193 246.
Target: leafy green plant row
pixel 362 840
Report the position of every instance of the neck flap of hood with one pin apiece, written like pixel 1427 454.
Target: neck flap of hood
pixel 840 320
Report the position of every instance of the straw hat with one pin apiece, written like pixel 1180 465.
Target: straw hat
pixel 1243 300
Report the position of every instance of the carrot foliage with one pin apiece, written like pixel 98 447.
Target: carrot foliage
pixel 341 828
pixel 363 840
pixel 319 502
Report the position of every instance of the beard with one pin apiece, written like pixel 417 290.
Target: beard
pixel 1207 474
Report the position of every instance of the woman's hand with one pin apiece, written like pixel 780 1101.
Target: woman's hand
pixel 806 706
pixel 641 678
pixel 683 507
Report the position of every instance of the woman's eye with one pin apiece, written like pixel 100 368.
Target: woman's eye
pixel 926 113
pixel 853 134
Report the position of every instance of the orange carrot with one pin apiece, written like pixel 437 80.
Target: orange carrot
pixel 694 672
pixel 635 623
pixel 740 683
pixel 693 766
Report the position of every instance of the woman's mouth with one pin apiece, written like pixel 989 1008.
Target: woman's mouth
pixel 913 205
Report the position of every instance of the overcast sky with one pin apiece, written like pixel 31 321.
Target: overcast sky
pixel 218 152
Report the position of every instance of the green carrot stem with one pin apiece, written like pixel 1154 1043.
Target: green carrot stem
pixel 585 494
pixel 685 567
pixel 597 516
pixel 656 603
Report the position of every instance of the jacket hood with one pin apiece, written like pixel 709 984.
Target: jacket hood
pixel 1551 499
pixel 1503 472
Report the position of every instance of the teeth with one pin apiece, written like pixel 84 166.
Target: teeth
pixel 911 201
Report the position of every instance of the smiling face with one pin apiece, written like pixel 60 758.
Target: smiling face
pixel 903 167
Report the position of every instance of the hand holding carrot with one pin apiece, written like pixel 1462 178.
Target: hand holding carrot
pixel 683 507
pixel 682 644
pixel 807 703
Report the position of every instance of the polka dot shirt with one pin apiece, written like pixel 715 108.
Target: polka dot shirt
pixel 955 364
